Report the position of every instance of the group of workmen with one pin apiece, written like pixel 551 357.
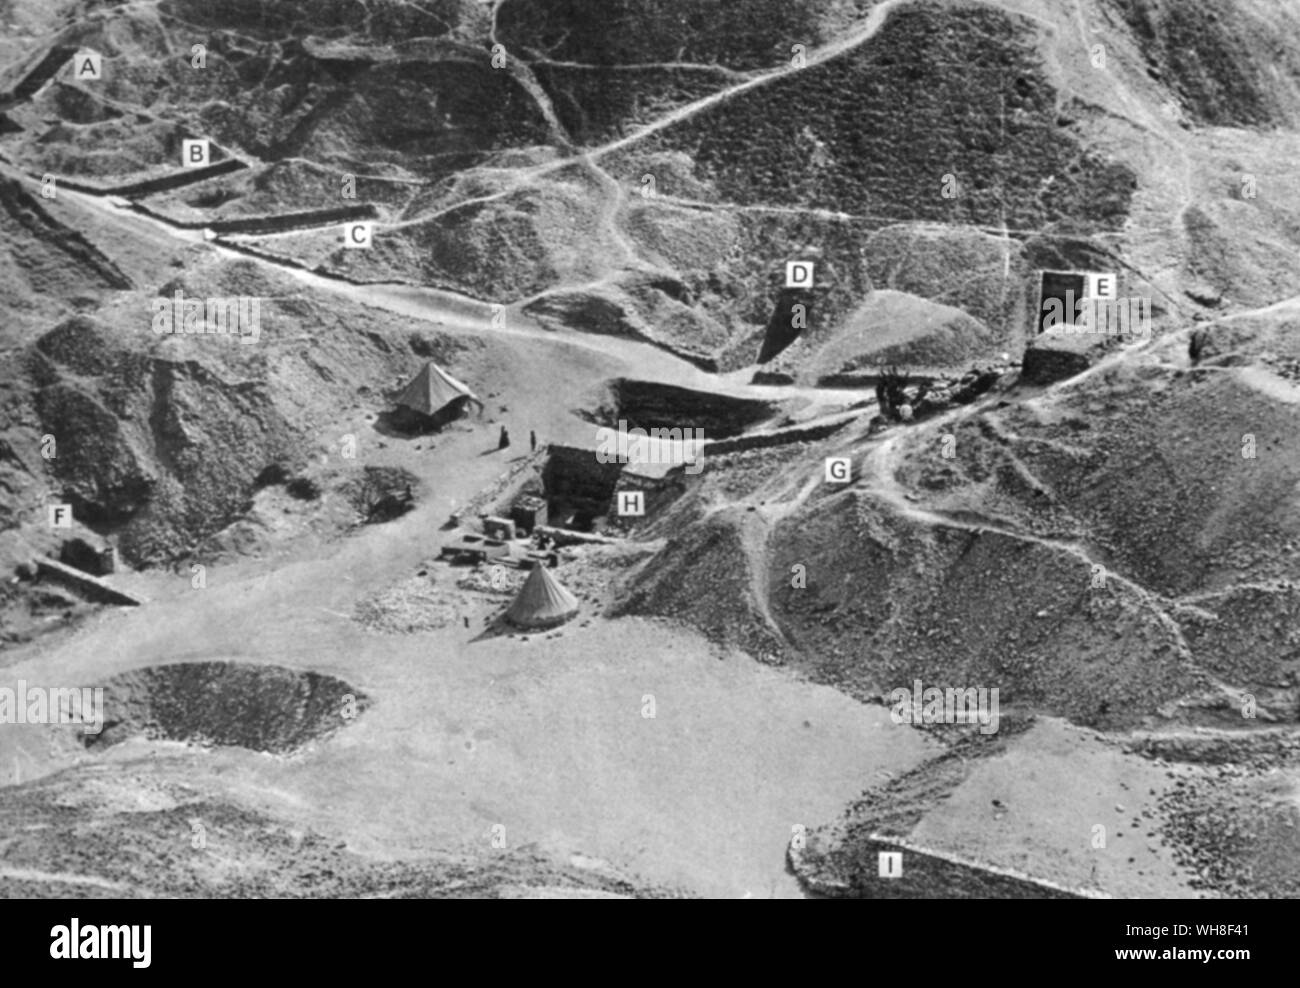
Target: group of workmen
pixel 504 439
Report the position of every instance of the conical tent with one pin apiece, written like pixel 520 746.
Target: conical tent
pixel 434 389
pixel 542 602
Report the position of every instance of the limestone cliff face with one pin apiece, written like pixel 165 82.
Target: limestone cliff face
pixel 158 447
pixel 160 440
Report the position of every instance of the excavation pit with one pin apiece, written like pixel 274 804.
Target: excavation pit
pixel 648 405
pixel 259 707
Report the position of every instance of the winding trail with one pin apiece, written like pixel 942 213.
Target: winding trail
pixel 522 177
pixel 853 39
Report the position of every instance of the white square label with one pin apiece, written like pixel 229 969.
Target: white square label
pixel 196 153
pixel 631 503
pixel 799 274
pixel 358 235
pixel 891 864
pixel 1103 286
pixel 88 66
pixel 839 469
pixel 60 515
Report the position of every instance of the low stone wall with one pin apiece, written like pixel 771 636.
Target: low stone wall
pixel 565 537
pixel 90 587
pixel 1223 747
pixel 41 73
pixel 292 221
pixel 926 874
pixel 280 223
pixel 172 180
pixel 761 440
pixel 503 489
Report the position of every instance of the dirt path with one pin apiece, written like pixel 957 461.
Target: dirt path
pixel 854 39
pixel 869 28
pixel 756 535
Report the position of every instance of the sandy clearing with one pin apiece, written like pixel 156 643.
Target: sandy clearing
pixel 547 738
pixel 544 737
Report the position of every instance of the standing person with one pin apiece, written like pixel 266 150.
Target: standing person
pixel 532 440
pixel 504 441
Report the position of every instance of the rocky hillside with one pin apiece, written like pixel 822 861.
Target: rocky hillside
pixel 161 440
pixel 181 840
pixel 1165 816
pixel 1119 551
pixel 946 150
